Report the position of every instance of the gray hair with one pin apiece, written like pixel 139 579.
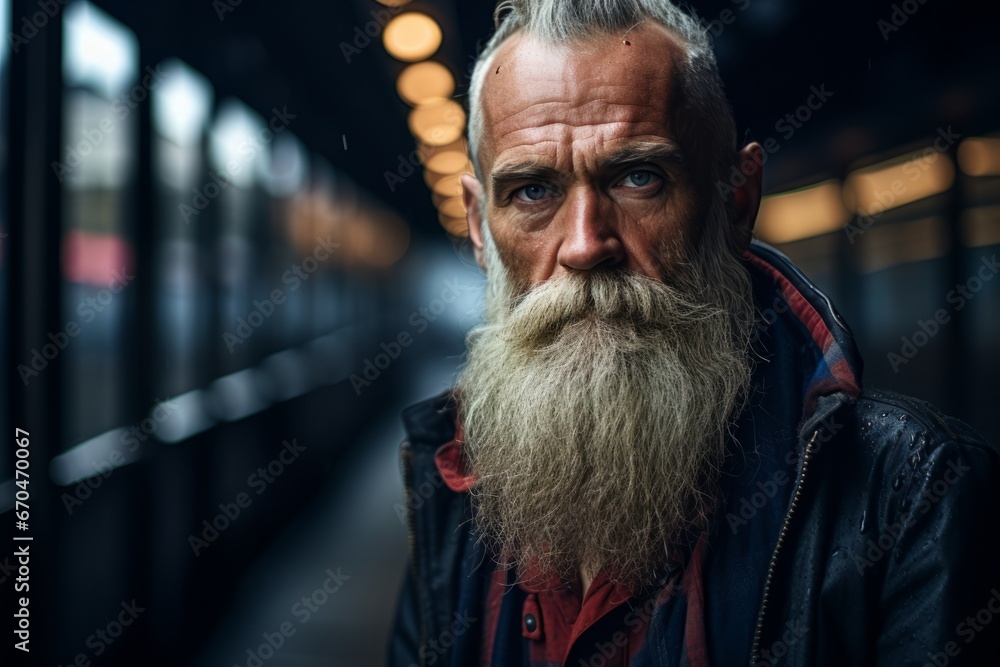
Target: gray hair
pixel 703 120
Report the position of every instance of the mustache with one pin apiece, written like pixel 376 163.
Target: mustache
pixel 607 297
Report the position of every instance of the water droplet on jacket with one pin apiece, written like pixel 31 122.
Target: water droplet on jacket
pixel 902 418
pixel 867 425
pixel 904 504
pixel 864 520
pixel 913 441
pixel 885 414
pixel 915 459
pixel 897 483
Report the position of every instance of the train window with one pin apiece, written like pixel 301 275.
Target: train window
pixel 239 154
pixel 180 114
pixel 286 183
pixel 96 169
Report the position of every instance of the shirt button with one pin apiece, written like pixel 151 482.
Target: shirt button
pixel 530 623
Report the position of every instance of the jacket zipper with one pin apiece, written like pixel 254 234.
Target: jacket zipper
pixel 411 538
pixel 777 548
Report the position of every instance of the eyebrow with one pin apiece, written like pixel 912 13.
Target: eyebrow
pixel 643 151
pixel 638 152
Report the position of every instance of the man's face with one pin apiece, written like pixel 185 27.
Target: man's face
pixel 581 165
pixel 597 393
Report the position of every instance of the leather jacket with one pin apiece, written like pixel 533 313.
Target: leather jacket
pixel 858 527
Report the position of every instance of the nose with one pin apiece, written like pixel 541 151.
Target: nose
pixel 590 239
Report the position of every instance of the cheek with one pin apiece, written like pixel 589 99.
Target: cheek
pixel 662 243
pixel 521 257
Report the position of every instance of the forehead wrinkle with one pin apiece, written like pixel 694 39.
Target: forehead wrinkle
pixel 574 115
pixel 611 148
pixel 551 104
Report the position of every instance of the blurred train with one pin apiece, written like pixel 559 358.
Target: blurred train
pixel 213 309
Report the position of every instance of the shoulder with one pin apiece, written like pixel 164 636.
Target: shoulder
pixel 899 437
pixel 909 457
pixel 893 415
pixel 910 434
pixel 889 453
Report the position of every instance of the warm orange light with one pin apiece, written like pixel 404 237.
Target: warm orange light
pixel 411 37
pixel 452 207
pixel 981 226
pixel 455 226
pixel 901 180
pixel 422 82
pixel 980 156
pixel 450 159
pixel 438 123
pixel 810 211
pixel 447 186
pixel 895 243
pixel 315 215
pixel 393 239
pixel 393 3
pixel 375 238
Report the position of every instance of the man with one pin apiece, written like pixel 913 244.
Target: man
pixel 659 451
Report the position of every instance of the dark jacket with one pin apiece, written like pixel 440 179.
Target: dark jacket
pixel 858 527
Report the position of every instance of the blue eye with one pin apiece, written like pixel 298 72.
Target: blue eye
pixel 638 179
pixel 532 192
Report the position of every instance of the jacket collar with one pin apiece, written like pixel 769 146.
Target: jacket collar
pixel 790 302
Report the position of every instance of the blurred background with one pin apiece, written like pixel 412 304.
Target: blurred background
pixel 231 251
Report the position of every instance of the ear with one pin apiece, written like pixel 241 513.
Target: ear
pixel 746 196
pixel 472 195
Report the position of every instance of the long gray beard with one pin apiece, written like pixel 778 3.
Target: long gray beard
pixel 596 410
